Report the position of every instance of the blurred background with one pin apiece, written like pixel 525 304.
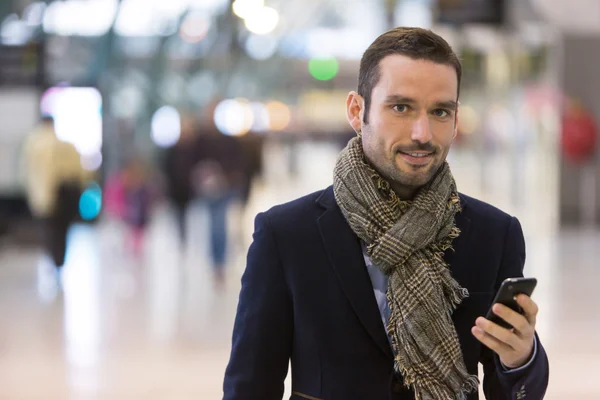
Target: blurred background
pixel 144 136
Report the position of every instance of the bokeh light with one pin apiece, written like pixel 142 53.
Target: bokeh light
pixel 166 126
pixel 261 47
pixel 48 100
pixel 33 14
pixel 262 21
pixel 469 121
pixel 245 8
pixel 77 113
pixel 279 115
pixel 234 117
pixel 261 117
pixel 78 18
pixel 91 162
pixel 323 69
pixel 90 202
pixel 194 28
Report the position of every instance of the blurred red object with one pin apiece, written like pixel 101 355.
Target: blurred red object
pixel 579 133
pixel 114 196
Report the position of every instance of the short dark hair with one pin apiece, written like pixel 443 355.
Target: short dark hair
pixel 415 43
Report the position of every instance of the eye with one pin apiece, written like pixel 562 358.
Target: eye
pixel 441 113
pixel 401 108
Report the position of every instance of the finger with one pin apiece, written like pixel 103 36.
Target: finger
pixel 502 334
pixel 529 307
pixel 491 342
pixel 518 321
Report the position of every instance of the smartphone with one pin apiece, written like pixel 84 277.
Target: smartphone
pixel 510 288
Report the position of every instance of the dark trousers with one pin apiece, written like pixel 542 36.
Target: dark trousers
pixel 217 219
pixel 180 214
pixel 56 226
pixel 217 209
pixel 217 214
pixel 219 235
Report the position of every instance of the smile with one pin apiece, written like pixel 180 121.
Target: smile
pixel 418 154
pixel 417 159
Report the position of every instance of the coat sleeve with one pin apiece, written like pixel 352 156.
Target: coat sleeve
pixel 263 330
pixel 530 382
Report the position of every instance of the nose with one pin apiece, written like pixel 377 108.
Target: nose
pixel 421 131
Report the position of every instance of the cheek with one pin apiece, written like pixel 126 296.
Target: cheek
pixel 390 129
pixel 389 122
pixel 375 145
pixel 443 133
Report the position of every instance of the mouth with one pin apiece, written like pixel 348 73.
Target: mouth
pixel 417 158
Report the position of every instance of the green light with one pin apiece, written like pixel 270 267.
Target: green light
pixel 323 69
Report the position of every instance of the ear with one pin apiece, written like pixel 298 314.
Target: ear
pixel 354 110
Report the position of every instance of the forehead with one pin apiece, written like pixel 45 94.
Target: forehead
pixel 401 75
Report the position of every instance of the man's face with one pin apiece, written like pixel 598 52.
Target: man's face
pixel 412 120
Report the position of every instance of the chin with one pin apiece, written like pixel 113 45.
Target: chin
pixel 414 177
pixel 416 182
pixel 410 179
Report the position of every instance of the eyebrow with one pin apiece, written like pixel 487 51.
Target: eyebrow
pixel 398 99
pixel 450 104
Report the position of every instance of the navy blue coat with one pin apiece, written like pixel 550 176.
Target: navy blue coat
pixel 307 297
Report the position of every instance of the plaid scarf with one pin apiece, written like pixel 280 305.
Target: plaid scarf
pixel 407 241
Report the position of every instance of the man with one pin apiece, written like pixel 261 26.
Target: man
pixel 217 179
pixel 375 288
pixel 54 178
pixel 179 162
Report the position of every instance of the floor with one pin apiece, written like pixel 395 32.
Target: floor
pixel 156 327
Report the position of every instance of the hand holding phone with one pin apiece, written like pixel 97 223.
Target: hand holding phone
pixel 514 345
pixel 509 289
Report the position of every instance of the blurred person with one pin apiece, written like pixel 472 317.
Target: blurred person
pixel 578 133
pixel 375 287
pixel 54 179
pixel 179 163
pixel 252 146
pixel 218 179
pixel 130 195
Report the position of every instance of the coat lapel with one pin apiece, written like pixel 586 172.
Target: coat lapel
pixel 345 255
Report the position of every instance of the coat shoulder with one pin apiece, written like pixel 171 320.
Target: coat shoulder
pixel 481 209
pixel 296 213
pixel 485 215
